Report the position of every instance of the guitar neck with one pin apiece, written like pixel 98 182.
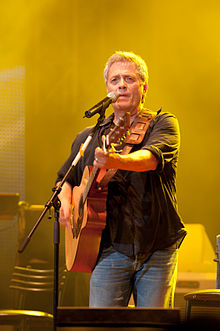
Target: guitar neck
pixel 120 129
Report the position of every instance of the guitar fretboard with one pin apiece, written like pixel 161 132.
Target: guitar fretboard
pixel 89 184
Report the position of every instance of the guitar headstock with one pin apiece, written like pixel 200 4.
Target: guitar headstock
pixel 118 133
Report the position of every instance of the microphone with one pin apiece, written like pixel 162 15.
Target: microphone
pixel 102 105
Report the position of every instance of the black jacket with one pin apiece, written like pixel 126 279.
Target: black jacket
pixel 142 213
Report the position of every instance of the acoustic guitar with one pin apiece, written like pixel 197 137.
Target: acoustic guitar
pixel 88 219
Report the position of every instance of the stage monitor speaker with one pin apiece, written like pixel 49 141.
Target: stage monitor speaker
pixel 8 205
pixel 8 244
pixel 117 317
pixel 196 267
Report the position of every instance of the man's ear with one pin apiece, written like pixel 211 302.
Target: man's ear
pixel 144 92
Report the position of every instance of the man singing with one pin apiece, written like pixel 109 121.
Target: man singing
pixel 139 245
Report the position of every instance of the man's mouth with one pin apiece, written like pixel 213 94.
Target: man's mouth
pixel 123 95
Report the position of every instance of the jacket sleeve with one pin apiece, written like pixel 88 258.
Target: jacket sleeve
pixel 75 175
pixel 163 138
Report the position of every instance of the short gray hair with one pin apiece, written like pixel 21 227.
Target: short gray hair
pixel 120 56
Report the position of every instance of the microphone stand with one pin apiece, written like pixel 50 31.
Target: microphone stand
pixel 55 202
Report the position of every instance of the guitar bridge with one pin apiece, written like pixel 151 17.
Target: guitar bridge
pixel 79 225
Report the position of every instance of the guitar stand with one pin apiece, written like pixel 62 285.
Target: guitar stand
pixel 56 204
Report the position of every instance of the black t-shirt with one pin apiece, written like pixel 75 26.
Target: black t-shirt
pixel 142 213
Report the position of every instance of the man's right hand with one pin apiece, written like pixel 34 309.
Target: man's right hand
pixel 65 197
pixel 65 213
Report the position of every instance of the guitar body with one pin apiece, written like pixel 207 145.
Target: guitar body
pixel 82 249
pixel 82 239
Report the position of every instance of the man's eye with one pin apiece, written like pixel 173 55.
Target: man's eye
pixel 114 80
pixel 129 79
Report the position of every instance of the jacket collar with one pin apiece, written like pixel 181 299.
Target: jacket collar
pixel 108 120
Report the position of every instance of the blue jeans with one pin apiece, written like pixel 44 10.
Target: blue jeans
pixel 152 283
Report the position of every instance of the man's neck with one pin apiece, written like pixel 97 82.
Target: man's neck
pixel 118 114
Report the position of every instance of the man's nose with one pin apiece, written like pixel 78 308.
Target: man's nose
pixel 122 84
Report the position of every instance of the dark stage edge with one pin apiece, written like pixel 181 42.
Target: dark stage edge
pixel 133 317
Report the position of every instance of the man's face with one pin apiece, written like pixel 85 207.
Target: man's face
pixel 124 79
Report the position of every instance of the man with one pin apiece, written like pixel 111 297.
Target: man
pixel 139 247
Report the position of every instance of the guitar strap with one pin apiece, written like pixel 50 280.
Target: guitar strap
pixel 136 135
